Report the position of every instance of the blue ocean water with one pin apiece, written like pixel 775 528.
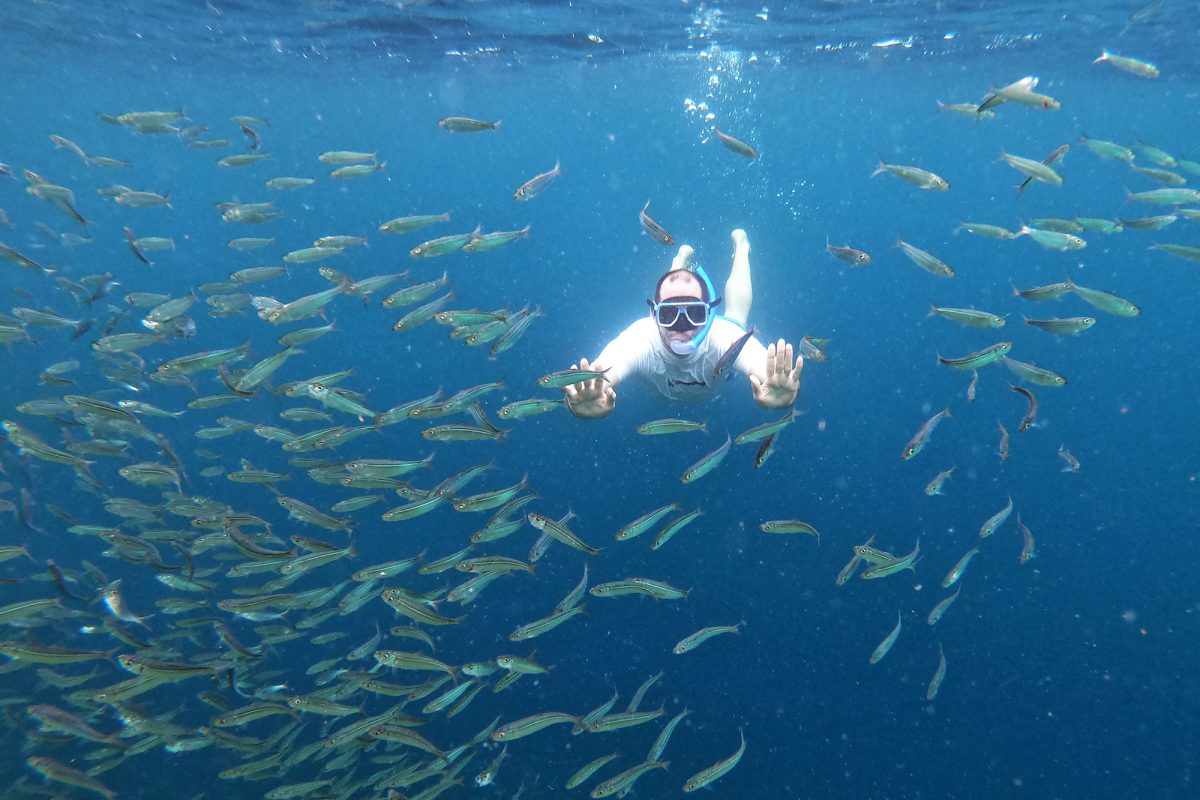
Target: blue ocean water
pixel 1067 675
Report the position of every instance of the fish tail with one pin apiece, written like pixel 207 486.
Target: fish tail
pixel 880 168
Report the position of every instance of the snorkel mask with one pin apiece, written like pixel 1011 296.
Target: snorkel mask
pixel 686 313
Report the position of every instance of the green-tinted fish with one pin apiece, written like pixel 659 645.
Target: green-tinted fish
pixel 357 171
pixel 921 437
pixel 1051 291
pixel 342 157
pixel 487 242
pixel 706 776
pixel 57 771
pixel 1181 250
pixel 1107 149
pixel 987 231
pixel 645 522
pixel 940 609
pixel 467 125
pixel 790 526
pixel 249 243
pixel 532 724
pixel 1071 462
pixel 1033 169
pixel 708 463
pixel 735 145
pixel 560 532
pixel 1099 225
pixel 674 527
pixel 958 569
pixel 1027 547
pixel 690 643
pixel 968 316
pixel 443 245
pixel 1034 374
pixel 521 409
pixel 569 377
pixel 934 487
pixel 307 255
pixel 660 427
pixel 1155 223
pixel 1055 156
pixel 1062 326
pixel 416 293
pixel 412 223
pixel 980 358
pixel 1165 197
pixel 968 110
pixel 855 258
pixel 655 231
pixel 890 567
pixel 544 625
pixel 1053 240
pixel 242 159
pixel 730 356
pixel 886 644
pixel 767 430
pixel 939 675
pixel 996 520
pixel 622 783
pixel 1057 224
pixel 922 179
pixel 588 770
pixel 288 182
pixel 926 260
pixel 415 608
pixel 537 184
pixel 1143 69
pixel 302 511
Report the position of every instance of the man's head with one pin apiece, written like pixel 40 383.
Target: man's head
pixel 682 307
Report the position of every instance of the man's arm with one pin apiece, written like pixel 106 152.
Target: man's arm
pixel 626 355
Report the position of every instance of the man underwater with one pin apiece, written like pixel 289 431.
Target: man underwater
pixel 676 347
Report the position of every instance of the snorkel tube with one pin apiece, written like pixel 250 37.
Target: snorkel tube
pixel 689 347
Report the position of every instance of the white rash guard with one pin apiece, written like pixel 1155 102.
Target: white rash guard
pixel 640 352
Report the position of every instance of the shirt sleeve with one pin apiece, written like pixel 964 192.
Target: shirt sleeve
pixel 752 360
pixel 628 354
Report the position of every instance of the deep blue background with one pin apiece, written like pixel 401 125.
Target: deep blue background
pixel 1068 677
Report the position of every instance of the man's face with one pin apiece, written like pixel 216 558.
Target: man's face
pixel 681 285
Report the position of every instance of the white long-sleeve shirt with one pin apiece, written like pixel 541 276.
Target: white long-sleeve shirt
pixel 639 352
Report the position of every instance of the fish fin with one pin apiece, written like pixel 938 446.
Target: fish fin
pixel 880 168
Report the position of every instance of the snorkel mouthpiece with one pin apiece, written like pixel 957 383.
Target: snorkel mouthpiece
pixel 681 348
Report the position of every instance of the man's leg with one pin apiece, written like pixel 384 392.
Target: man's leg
pixel 739 293
pixel 682 258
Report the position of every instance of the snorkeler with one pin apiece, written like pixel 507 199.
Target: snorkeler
pixel 677 347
